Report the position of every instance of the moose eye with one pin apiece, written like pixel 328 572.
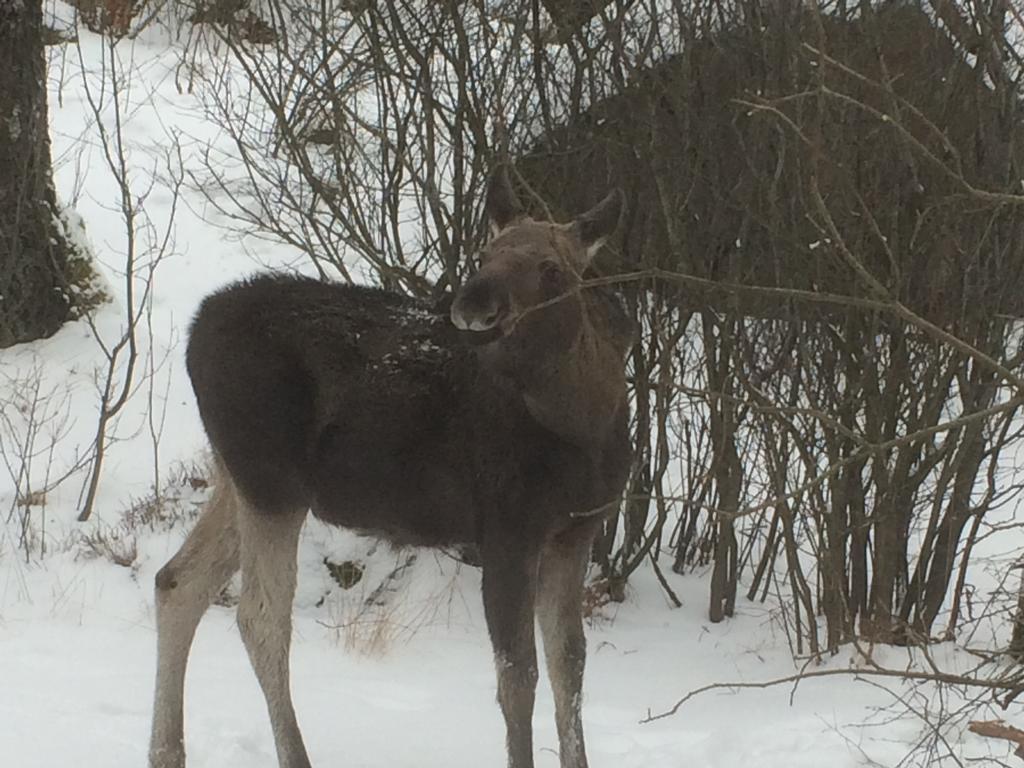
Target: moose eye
pixel 550 269
pixel 552 279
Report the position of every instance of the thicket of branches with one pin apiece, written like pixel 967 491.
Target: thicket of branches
pixel 864 168
pixel 823 249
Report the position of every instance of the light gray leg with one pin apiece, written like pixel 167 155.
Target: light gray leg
pixel 563 567
pixel 185 587
pixel 269 543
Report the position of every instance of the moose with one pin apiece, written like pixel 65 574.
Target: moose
pixel 501 424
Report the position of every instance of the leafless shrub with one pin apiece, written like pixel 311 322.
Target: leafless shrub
pixel 145 247
pixel 840 242
pixel 941 701
pixel 35 420
pixel 354 140
pixel 110 17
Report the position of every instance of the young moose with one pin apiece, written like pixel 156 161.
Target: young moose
pixel 504 426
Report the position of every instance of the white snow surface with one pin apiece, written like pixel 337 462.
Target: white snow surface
pixel 77 642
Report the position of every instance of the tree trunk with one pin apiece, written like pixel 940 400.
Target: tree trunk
pixel 1016 649
pixel 34 295
pixel 725 466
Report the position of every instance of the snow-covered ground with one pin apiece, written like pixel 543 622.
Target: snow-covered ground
pixel 77 644
pixel 76 664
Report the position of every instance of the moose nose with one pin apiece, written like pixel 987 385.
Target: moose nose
pixel 478 306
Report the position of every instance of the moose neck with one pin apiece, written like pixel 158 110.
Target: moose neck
pixel 575 389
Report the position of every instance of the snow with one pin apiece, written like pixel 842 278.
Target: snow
pixel 77 663
pixel 77 646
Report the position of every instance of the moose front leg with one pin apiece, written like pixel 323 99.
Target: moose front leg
pixel 563 568
pixel 509 587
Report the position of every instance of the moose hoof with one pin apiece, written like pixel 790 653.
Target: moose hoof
pixel 167 758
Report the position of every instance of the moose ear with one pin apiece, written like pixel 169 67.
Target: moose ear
pixel 503 206
pixel 599 223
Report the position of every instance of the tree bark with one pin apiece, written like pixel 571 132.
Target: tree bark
pixel 34 295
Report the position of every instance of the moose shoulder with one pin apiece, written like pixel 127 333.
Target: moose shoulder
pixel 502 423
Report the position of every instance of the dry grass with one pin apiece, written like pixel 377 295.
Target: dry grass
pixel 370 630
pixel 174 505
pixel 114 543
pixel 33 499
pixel 600 600
pixel 369 620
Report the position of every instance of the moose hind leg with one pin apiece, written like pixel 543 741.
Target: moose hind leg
pixel 269 543
pixel 563 568
pixel 509 586
pixel 185 587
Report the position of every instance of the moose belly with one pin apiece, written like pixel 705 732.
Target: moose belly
pixel 391 485
pixel 414 475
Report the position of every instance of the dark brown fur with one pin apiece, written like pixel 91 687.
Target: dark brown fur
pixel 502 424
pixel 376 413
